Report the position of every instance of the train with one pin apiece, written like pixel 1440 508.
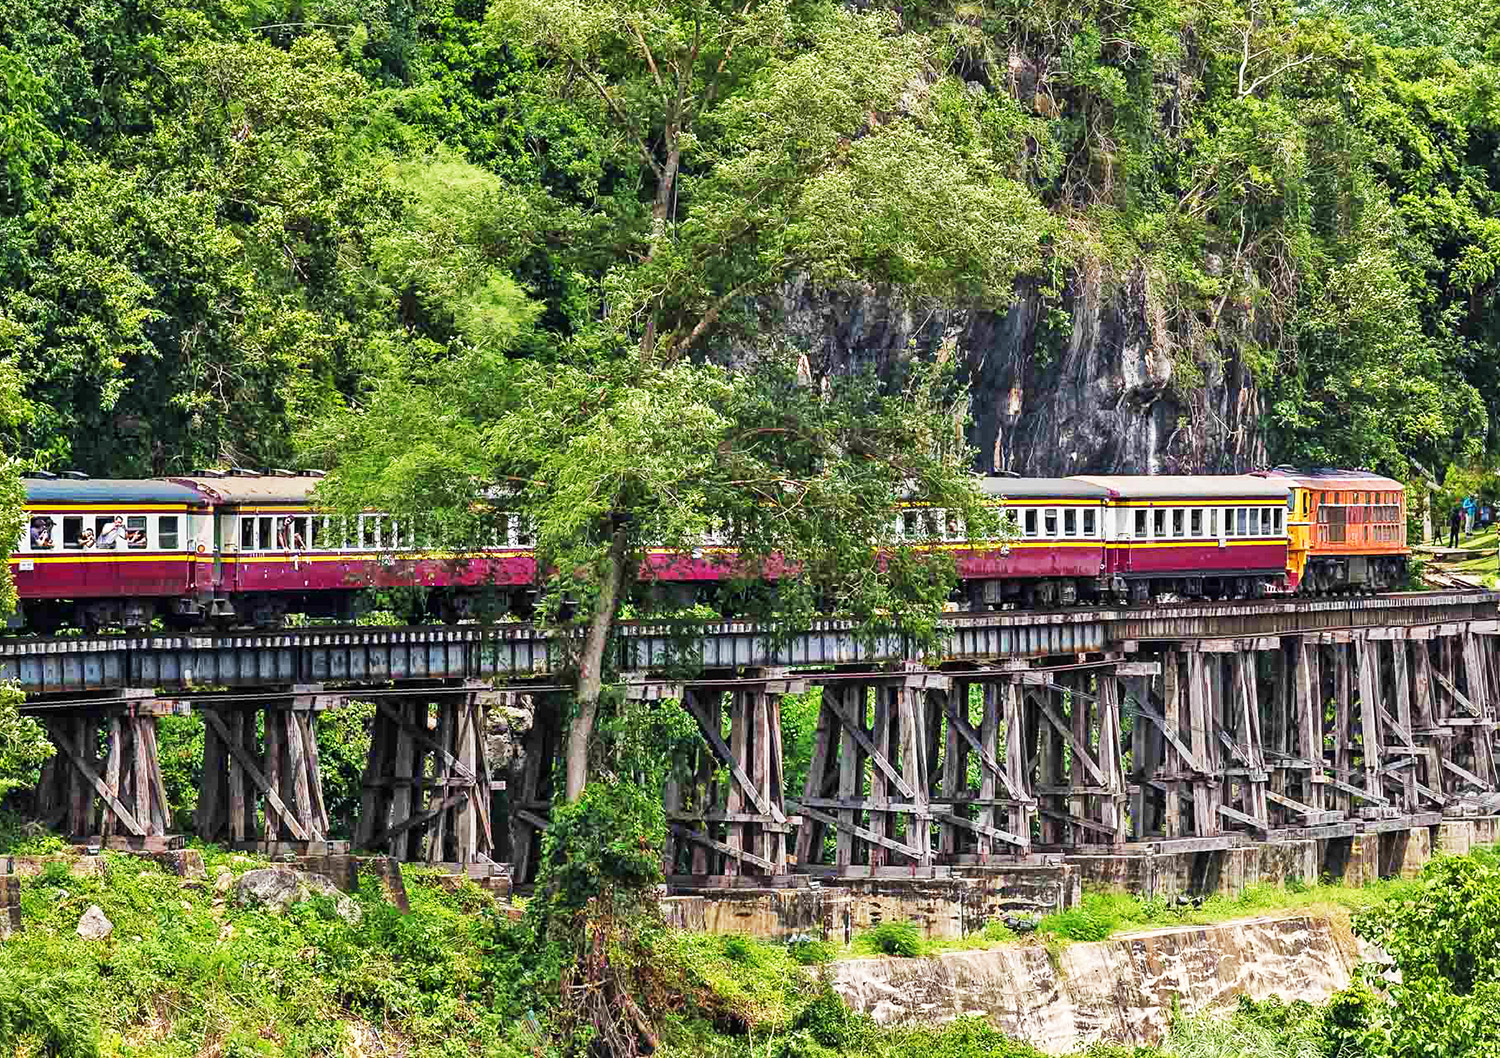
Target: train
pixel 247 548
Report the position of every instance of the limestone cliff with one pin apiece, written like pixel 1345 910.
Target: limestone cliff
pixel 1092 381
pixel 1121 989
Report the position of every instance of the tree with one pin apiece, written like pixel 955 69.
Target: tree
pixel 772 137
pixel 23 742
pixel 607 462
pixel 767 139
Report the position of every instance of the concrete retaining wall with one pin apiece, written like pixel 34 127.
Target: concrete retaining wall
pixel 944 908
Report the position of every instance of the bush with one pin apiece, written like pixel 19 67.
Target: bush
pixel 810 952
pixel 893 938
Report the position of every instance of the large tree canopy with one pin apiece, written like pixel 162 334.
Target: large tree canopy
pixel 607 462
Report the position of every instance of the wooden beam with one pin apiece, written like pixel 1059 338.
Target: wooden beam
pixel 716 740
pixel 247 762
pixel 432 812
pixel 980 828
pixel 1067 733
pixel 1241 817
pixel 420 736
pixel 859 831
pixel 104 791
pixel 877 757
pixel 958 723
pixel 1466 774
pixel 699 838
pixel 1458 695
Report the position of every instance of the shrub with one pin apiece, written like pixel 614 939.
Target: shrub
pixel 893 938
pixel 810 952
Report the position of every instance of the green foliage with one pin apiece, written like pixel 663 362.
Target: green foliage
pixel 343 751
pixel 24 744
pixel 179 975
pixel 180 748
pixel 902 939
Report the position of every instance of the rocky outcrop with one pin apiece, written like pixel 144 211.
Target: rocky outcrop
pixel 1092 381
pixel 277 888
pixel 1121 989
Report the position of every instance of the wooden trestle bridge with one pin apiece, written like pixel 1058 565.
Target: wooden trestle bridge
pixel 1189 728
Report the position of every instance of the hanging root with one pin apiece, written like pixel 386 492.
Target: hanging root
pixel 599 1009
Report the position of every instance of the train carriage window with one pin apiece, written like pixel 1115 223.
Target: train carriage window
pixel 1158 524
pixel 41 533
pixel 247 534
pixel 166 532
pixel 1090 522
pixel 265 533
pixel 1049 518
pixel 1242 521
pixel 72 535
pixel 1195 522
pixel 909 524
pixel 1140 525
pixel 522 531
pixel 1179 528
pixel 1277 522
pixel 1213 522
pixel 1228 521
pixel 135 532
pixel 1031 523
pixel 1070 522
pixel 955 526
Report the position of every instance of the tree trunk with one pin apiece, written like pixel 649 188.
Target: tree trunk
pixel 591 666
pixel 665 188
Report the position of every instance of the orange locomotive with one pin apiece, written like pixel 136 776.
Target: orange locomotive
pixel 1347 530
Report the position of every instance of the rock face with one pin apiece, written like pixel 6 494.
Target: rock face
pixel 277 888
pixel 1094 381
pixel 94 925
pixel 1121 989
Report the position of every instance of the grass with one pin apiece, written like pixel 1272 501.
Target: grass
pixel 1485 566
pixel 1102 914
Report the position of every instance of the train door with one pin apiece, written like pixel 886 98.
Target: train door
pixel 1299 533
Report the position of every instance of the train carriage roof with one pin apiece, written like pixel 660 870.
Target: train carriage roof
pixel 1212 487
pixel 1333 478
pixel 106 492
pixel 1042 488
pixel 251 491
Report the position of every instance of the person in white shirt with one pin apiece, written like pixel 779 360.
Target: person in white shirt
pixel 113 533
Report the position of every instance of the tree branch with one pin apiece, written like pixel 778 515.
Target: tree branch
pixel 620 116
pixel 681 345
pixel 650 59
pixel 1273 74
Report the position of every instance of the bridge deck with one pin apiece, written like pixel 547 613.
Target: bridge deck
pixel 49 666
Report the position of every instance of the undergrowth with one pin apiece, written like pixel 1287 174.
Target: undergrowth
pixel 185 972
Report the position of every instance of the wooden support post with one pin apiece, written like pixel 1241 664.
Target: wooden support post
pixel 851 770
pixel 1015 763
pixel 1112 803
pixel 911 703
pixel 995 698
pixel 813 833
pixel 953 840
pixel 884 735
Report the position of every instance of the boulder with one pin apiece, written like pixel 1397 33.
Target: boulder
pixel 277 888
pixel 224 882
pixel 94 925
